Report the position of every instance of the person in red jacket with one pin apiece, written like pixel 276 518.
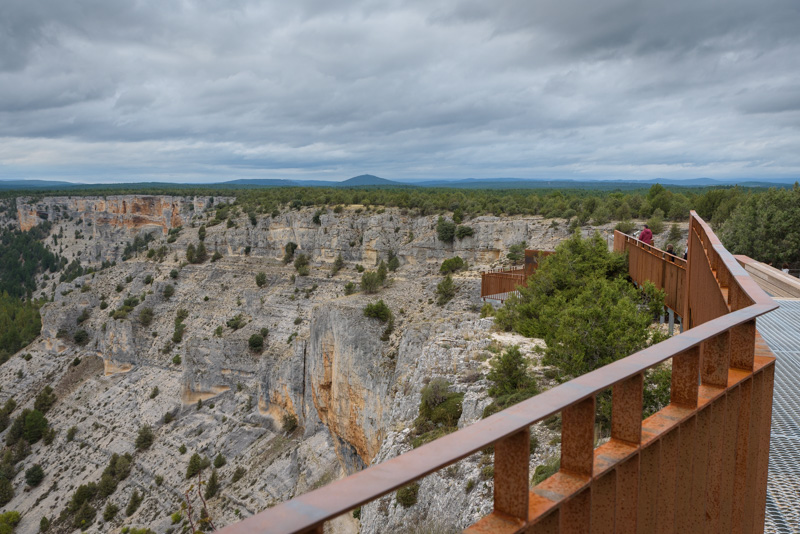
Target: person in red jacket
pixel 646 236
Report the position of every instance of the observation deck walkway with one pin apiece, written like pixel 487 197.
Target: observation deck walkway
pixel 781 330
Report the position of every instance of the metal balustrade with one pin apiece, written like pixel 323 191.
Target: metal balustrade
pixel 698 465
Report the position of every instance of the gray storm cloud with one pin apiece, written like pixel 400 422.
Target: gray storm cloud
pixel 98 90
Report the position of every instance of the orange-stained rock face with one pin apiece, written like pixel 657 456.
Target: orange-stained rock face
pixel 130 211
pixel 340 401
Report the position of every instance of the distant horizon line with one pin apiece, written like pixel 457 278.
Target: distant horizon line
pixel 413 180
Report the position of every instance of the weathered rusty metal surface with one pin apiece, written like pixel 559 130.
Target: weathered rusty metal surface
pixel 665 271
pixel 577 438
pixel 699 464
pixel 500 284
pixel 626 410
pixel 604 491
pixel 512 456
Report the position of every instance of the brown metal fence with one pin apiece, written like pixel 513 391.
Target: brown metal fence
pixel 698 465
pixel 500 284
pixel 665 271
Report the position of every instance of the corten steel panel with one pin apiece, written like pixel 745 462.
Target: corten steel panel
pixel 511 459
pixel 713 497
pixel 496 523
pixel 765 421
pixel 627 496
pixel 577 438
pixel 742 446
pixel 743 346
pixel 646 516
pixel 715 358
pixel 626 410
pixel 729 440
pixel 700 469
pixel 683 501
pixel 752 455
pixel 603 492
pixel 549 524
pixel 685 370
pixel 576 513
pixel 667 482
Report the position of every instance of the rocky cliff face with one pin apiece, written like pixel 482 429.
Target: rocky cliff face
pixel 353 395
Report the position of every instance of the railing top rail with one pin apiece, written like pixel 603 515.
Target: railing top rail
pixel 343 495
pixel 677 260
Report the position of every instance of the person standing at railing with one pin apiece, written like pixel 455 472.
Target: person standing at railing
pixel 671 251
pixel 646 236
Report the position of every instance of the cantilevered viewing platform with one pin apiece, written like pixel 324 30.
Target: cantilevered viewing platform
pixel 698 465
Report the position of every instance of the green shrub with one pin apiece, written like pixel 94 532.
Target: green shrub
pixel 238 474
pixel 146 316
pixel 85 314
pixel 35 425
pixel 512 383
pixel 445 290
pixel 212 486
pixel 370 282
pixel 487 310
pixel 145 438
pixel 133 503
pixel 394 262
pixel 154 392
pixel 195 465
pixel 6 491
pixel 289 251
pixel 516 252
pixel 626 227
pixel 173 274
pixel 44 400
pixel 84 516
pixel 219 461
pixel 176 360
pixel 349 288
pixel 34 475
pixel 261 279
pixel 110 512
pixel 338 265
pixel 81 337
pixel 446 230
pixel 256 343
pixel 217 256
pixel 407 495
pixel 378 310
pixel 464 231
pixel 656 222
pixel 452 265
pixel 168 291
pixel 182 449
pixel 44 524
pixel 71 433
pixel 236 322
pixel 439 412
pixel 487 472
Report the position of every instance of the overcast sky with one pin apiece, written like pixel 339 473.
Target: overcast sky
pixel 202 90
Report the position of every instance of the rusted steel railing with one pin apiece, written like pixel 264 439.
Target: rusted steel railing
pixel 698 465
pixel 499 284
pixel 664 270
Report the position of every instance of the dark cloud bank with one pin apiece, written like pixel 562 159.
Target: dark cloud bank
pixel 97 90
